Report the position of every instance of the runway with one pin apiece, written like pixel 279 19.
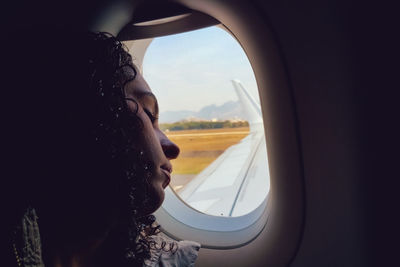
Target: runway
pixel 207 134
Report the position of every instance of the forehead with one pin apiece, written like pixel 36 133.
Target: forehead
pixel 139 89
pixel 137 86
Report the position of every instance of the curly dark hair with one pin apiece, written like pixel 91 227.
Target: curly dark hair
pixel 118 131
pixel 83 167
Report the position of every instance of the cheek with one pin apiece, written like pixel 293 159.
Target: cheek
pixel 151 144
pixel 148 131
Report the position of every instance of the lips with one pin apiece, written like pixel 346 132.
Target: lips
pixel 167 172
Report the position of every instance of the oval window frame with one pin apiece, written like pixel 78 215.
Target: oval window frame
pixel 182 222
pixel 283 214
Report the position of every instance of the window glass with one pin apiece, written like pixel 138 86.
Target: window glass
pixel 209 107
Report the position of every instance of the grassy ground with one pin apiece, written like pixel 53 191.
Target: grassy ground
pixel 201 147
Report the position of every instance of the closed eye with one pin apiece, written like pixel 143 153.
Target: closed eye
pixel 150 115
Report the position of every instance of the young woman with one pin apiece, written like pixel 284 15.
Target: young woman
pixel 95 164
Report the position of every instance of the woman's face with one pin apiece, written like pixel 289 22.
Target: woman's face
pixel 156 146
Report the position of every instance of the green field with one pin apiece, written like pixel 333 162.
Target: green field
pixel 201 147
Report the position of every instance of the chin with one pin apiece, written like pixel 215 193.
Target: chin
pixel 156 198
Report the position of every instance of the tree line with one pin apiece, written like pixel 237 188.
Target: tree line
pixel 193 125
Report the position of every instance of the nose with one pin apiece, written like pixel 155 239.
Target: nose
pixel 171 150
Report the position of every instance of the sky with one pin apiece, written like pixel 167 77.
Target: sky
pixel 188 71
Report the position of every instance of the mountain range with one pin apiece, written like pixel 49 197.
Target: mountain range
pixel 231 110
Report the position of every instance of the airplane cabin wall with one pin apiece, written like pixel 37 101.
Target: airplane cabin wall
pixel 347 111
pixel 342 58
pixel 316 46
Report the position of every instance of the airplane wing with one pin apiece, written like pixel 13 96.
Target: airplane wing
pixel 238 180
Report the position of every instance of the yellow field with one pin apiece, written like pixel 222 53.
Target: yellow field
pixel 201 147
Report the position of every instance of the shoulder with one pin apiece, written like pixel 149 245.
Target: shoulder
pixel 184 253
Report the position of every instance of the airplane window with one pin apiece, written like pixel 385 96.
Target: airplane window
pixel 209 106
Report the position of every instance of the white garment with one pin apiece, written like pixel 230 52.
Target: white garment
pixel 184 256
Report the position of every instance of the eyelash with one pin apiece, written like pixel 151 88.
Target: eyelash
pixel 148 113
pixel 151 116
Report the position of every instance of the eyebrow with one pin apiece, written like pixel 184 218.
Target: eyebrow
pixel 141 94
